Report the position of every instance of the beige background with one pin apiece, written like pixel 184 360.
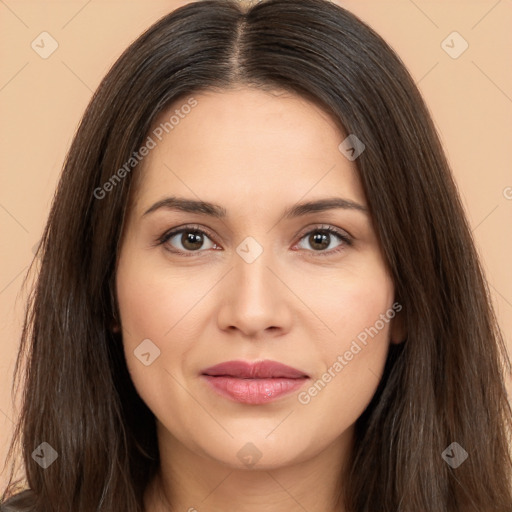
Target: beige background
pixel 41 101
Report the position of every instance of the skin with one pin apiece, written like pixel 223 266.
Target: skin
pixel 254 153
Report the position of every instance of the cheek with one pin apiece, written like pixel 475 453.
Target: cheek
pixel 350 303
pixel 358 310
pixel 162 305
pixel 153 300
pixel 148 311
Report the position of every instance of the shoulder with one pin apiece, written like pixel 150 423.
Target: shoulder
pixel 21 502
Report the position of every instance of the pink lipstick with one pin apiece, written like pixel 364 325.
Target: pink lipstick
pixel 254 383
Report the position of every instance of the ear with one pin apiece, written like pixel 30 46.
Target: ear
pixel 398 329
pixel 115 327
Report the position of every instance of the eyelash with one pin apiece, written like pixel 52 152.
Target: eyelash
pixel 196 229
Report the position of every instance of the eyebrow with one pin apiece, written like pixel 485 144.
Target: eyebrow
pixel 217 211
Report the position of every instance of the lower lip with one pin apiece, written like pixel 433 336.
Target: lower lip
pixel 254 391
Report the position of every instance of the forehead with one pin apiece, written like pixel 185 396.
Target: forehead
pixel 246 147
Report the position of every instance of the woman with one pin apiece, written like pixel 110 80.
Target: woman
pixel 258 289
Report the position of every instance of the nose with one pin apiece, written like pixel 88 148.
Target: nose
pixel 255 299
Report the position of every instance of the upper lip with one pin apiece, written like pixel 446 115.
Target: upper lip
pixel 254 370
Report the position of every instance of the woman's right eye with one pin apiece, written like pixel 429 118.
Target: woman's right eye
pixel 191 240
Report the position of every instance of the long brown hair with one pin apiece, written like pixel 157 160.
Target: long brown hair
pixel 444 384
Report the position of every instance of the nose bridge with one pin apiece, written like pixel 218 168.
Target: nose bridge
pixel 254 299
pixel 252 274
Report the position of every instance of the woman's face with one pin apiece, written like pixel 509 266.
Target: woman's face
pixel 256 285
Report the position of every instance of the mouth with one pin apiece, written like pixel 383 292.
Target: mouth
pixel 254 383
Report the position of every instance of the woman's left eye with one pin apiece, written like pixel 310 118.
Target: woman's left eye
pixel 192 239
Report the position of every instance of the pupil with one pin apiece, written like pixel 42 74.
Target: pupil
pixel 191 238
pixel 321 239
